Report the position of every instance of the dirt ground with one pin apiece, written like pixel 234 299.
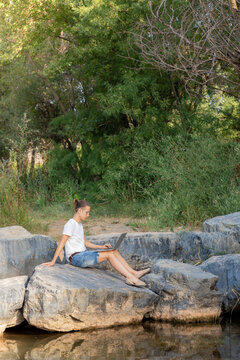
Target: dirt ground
pixel 105 225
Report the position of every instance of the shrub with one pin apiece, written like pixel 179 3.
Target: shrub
pixel 180 180
pixel 13 203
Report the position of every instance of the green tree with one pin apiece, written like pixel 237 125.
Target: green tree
pixel 91 83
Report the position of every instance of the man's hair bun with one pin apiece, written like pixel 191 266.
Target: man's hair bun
pixel 80 204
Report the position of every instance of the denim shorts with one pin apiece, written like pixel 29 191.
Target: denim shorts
pixel 85 259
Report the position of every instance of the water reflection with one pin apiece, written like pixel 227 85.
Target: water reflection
pixel 148 341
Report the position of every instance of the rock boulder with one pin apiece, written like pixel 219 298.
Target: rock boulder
pixel 66 298
pixel 227 268
pixel 20 251
pixel 229 224
pixel 186 293
pixel 12 293
pixel 143 249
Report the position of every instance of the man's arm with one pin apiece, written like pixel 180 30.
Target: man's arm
pixel 90 245
pixel 58 250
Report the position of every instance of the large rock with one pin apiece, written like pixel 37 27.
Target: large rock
pixel 229 224
pixel 186 293
pixel 227 268
pixel 197 245
pixel 12 293
pixel 20 251
pixel 66 298
pixel 143 249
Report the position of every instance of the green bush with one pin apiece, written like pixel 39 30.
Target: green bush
pixel 13 203
pixel 62 164
pixel 179 180
pixel 44 189
pixel 167 181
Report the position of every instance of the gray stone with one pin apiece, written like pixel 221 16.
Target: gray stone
pixel 143 249
pixel 11 301
pixel 196 245
pixel 186 293
pixel 229 224
pixel 227 268
pixel 20 251
pixel 66 298
pixel 13 232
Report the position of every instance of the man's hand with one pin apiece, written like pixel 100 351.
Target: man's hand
pixel 107 246
pixel 50 263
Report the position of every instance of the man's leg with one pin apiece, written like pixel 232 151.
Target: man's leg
pixel 136 273
pixel 119 266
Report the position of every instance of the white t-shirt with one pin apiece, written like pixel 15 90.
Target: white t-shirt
pixel 75 242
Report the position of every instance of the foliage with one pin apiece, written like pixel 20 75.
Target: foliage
pixel 198 39
pixel 111 129
pixel 179 180
pixel 80 79
pixel 13 203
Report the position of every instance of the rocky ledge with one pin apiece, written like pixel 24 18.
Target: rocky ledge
pixel 65 298
pixel 186 292
pixel 21 251
pixel 11 301
pixel 228 224
pixel 143 249
pixel 227 269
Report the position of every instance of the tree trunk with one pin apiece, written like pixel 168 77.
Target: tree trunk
pixel 234 4
pixel 32 161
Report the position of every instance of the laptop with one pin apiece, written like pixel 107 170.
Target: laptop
pixel 118 243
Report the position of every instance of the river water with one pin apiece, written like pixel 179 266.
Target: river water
pixel 151 340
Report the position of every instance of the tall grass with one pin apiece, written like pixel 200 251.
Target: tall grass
pixel 14 209
pixel 166 181
pixel 177 181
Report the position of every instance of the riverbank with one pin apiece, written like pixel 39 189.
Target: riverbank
pixel 65 298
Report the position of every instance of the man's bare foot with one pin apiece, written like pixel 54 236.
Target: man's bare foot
pixel 141 273
pixel 136 282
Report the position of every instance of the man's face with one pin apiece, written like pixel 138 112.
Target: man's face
pixel 85 212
